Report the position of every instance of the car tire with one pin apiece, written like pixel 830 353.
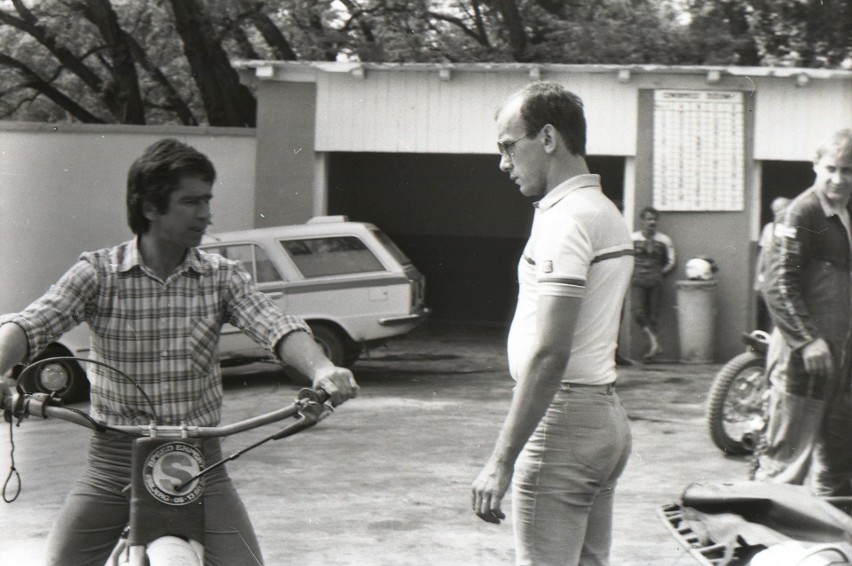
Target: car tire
pixel 331 342
pixel 63 378
pixel 353 353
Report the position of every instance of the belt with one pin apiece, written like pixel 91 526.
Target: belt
pixel 607 388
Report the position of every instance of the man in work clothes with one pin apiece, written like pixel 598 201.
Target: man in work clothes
pixel 809 295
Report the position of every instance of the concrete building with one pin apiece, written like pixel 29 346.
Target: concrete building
pixel 411 148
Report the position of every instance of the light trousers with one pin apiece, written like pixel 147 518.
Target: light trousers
pixel 97 510
pixel 565 478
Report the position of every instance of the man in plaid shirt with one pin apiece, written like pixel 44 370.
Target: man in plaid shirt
pixel 155 306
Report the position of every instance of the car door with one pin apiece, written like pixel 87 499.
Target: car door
pixel 235 345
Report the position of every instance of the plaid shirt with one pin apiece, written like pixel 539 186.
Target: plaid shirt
pixel 163 334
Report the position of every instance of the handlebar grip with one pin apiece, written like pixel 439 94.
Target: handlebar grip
pixel 323 395
pixel 21 406
pixel 318 395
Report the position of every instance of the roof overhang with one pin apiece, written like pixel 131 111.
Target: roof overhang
pixel 307 71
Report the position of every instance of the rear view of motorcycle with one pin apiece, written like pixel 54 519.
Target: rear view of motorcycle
pixel 736 406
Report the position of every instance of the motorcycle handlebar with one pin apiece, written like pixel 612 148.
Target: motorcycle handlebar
pixel 42 405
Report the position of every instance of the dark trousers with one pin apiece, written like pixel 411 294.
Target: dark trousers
pixel 646 297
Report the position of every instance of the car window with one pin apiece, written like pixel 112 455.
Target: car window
pixel 266 271
pixel 337 255
pixel 394 250
pixel 253 258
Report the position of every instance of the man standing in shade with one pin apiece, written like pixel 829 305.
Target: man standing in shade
pixel 655 258
pixel 566 439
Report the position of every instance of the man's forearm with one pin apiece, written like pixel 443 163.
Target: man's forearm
pixel 299 351
pixel 532 396
pixel 13 346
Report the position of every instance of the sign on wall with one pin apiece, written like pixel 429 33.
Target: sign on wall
pixel 699 145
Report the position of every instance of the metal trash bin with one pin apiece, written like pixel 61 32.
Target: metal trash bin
pixel 696 318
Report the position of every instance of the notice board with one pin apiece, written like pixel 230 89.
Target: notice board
pixel 698 150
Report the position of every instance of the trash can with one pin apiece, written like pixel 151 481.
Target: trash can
pixel 696 318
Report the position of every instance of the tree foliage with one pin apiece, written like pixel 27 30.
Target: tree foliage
pixel 171 61
pixel 797 33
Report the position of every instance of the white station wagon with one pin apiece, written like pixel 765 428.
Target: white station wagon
pixel 348 280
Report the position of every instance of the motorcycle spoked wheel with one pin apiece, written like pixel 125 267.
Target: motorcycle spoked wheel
pixel 736 399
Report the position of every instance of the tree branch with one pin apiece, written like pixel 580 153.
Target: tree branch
pixel 28 24
pixel 480 37
pixel 31 80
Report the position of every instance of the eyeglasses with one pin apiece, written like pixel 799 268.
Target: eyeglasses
pixel 506 147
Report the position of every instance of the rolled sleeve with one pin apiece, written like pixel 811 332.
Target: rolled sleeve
pixel 671 254
pixel 61 308
pixel 256 315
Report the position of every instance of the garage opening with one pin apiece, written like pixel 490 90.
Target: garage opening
pixel 782 179
pixel 779 179
pixel 460 219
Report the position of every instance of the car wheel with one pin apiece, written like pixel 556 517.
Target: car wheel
pixel 353 352
pixel 331 342
pixel 63 378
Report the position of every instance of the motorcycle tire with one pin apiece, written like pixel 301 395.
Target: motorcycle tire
pixel 743 373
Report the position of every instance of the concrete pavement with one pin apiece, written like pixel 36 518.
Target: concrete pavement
pixel 386 479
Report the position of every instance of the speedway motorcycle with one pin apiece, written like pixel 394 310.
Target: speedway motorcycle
pixel 737 401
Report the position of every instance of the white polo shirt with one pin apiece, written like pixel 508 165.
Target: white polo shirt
pixel 579 246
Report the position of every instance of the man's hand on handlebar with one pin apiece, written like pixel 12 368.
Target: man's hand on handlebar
pixel 338 382
pixel 302 353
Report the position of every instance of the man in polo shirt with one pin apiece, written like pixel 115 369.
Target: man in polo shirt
pixel 566 439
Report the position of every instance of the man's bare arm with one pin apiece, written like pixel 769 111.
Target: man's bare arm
pixel 532 396
pixel 300 351
pixel 13 346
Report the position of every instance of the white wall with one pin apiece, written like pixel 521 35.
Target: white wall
pixel 795 120
pixel 417 112
pixel 411 109
pixel 62 191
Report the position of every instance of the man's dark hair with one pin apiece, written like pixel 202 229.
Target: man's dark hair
pixel 155 175
pixel 551 103
pixel 651 210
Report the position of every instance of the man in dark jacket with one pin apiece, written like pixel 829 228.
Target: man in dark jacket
pixel 654 257
pixel 809 295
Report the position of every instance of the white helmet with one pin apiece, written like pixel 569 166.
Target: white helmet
pixel 700 269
